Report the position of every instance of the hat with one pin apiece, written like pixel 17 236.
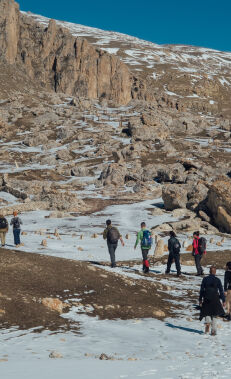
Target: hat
pixel 15 213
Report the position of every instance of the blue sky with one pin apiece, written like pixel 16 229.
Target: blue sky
pixel 193 22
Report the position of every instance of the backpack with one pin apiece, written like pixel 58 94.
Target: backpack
pixel 16 223
pixel 201 245
pixel 3 223
pixel 176 246
pixel 147 240
pixel 113 235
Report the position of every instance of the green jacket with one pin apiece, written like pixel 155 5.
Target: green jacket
pixel 139 238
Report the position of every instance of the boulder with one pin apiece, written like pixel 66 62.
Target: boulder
pixel 54 304
pixel 113 174
pixel 159 249
pixel 174 196
pixel 219 204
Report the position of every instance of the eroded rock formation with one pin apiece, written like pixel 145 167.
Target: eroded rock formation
pixel 61 62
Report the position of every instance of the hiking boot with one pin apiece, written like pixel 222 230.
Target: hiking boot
pixel 146 270
pixel 113 265
pixel 179 274
pixel 167 272
pixel 207 327
pixel 213 333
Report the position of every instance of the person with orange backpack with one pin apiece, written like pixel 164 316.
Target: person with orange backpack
pixel 145 238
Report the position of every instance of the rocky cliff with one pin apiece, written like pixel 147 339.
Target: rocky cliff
pixel 59 61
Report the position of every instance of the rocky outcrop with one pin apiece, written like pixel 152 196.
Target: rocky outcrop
pixel 61 62
pixel 219 204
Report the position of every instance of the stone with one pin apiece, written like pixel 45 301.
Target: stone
pixel 159 249
pixel 54 304
pixel 55 355
pixel 174 196
pixel 159 313
pixel 44 243
pixel 204 216
pixel 104 357
pixel 211 240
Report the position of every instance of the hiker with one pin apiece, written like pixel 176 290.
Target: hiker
pixel 3 228
pixel 174 253
pixel 227 289
pixel 112 235
pixel 145 238
pixel 16 222
pixel 210 294
pixel 199 248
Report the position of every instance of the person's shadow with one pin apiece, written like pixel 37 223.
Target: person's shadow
pixel 183 328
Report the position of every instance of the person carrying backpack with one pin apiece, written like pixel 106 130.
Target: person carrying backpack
pixel 174 247
pixel 16 222
pixel 210 294
pixel 3 228
pixel 145 239
pixel 199 248
pixel 112 235
pixel 227 289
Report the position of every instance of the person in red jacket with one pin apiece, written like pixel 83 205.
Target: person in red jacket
pixel 197 255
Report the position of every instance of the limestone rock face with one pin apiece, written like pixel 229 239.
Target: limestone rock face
pixel 219 204
pixel 59 61
pixel 9 29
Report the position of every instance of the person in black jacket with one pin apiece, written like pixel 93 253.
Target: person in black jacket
pixel 227 289
pixel 210 294
pixel 174 253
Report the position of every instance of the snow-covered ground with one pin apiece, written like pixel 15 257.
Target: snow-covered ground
pixel 77 233
pixel 174 348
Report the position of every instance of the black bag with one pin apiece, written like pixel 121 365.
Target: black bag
pixel 113 235
pixel 3 223
pixel 201 245
pixel 16 223
pixel 176 246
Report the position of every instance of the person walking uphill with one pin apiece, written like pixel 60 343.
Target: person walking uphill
pixel 3 229
pixel 112 235
pixel 144 236
pixel 174 247
pixel 16 222
pixel 199 248
pixel 210 293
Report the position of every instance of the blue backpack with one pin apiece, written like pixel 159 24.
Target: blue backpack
pixel 147 240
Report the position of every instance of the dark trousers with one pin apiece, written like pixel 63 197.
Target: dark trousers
pixel 198 264
pixel 145 259
pixel 175 257
pixel 16 233
pixel 111 249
